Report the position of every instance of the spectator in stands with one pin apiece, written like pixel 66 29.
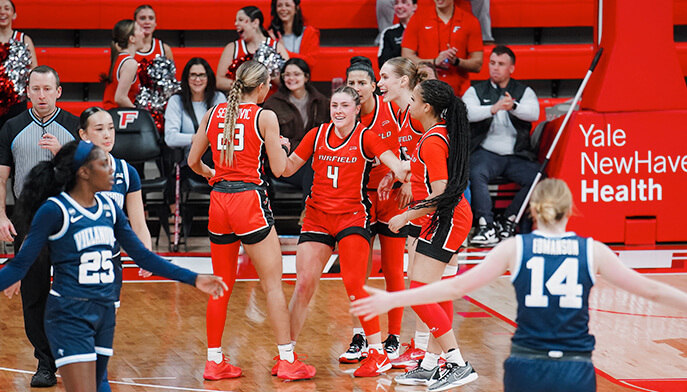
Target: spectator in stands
pixel 392 36
pixel 480 8
pixel 299 107
pixel 121 83
pixel 152 47
pixel 450 38
pixel 501 111
pixel 25 140
pixel 385 16
pixel 185 110
pixel 7 15
pixel 287 26
pixel 249 25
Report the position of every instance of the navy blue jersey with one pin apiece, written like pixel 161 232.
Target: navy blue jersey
pixel 81 244
pixel 127 181
pixel 552 280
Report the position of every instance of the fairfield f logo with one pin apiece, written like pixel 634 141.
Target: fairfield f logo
pixel 126 117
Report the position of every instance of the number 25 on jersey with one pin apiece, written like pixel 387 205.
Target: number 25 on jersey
pixel 238 139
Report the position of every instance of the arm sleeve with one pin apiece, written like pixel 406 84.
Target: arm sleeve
pixel 145 258
pixel 373 144
pixel 5 146
pixel 434 153
pixel 528 107
pixel 476 111
pixel 47 221
pixel 475 43
pixel 307 145
pixel 385 48
pixel 134 179
pixel 174 121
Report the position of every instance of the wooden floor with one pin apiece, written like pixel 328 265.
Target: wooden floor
pixel 160 340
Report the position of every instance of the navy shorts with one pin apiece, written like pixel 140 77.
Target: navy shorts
pixel 545 375
pixel 78 329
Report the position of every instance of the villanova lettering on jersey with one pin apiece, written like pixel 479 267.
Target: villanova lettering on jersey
pixel 91 236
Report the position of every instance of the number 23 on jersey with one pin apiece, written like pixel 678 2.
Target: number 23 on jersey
pixel 239 134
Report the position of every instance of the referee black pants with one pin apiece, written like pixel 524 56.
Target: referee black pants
pixel 35 288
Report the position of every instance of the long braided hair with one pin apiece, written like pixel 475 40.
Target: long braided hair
pixel 249 76
pixel 445 105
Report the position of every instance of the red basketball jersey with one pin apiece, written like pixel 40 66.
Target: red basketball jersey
pixel 419 175
pixel 384 123
pixel 341 172
pixel 409 134
pixel 111 88
pixel 156 49
pixel 249 145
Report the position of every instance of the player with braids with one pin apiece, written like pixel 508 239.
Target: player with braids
pixel 552 347
pixel 62 205
pixel 241 136
pixel 439 176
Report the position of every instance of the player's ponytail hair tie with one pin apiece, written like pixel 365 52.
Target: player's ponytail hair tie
pixel 82 150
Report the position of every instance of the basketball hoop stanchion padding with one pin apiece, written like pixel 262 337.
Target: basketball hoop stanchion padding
pixel 623 154
pixel 525 202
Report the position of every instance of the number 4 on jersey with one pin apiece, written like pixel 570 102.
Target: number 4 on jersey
pixel 333 174
pixel 564 282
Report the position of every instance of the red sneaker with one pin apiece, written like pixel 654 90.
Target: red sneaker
pixel 409 357
pixel 295 371
pixel 375 364
pixel 219 371
pixel 275 368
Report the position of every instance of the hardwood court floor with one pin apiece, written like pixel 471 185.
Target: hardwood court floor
pixel 160 340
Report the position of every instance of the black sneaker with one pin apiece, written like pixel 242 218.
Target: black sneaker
pixel 505 228
pixel 486 235
pixel 454 376
pixel 356 350
pixel 392 346
pixel 43 378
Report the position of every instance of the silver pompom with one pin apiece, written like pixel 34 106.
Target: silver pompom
pixel 17 66
pixel 158 85
pixel 269 57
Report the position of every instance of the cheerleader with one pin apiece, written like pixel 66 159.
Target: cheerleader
pixel 121 83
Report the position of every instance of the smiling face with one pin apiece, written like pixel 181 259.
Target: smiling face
pixel 146 18
pixel 7 13
pixel 294 78
pixel 244 26
pixel 197 79
pixel 343 110
pixel 286 10
pixel 390 85
pixel 360 81
pixel 100 173
pixel 404 9
pixel 100 130
pixel 43 92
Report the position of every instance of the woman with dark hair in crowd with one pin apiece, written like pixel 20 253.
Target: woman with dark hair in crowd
pixel 439 177
pixel 185 110
pixel 61 204
pixel 250 27
pixel 380 117
pixel 338 211
pixel 299 107
pixel 121 83
pixel 8 14
pixel 287 26
pixel 152 47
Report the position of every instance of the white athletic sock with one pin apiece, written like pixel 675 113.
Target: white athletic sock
pixel 421 340
pixel 430 361
pixel 454 356
pixel 360 331
pixel 293 345
pixel 286 352
pixel 376 346
pixel 215 354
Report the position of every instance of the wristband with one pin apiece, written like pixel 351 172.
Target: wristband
pixel 456 62
pixel 286 149
pixel 515 105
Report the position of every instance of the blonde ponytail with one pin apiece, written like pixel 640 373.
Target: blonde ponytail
pixel 551 200
pixel 249 76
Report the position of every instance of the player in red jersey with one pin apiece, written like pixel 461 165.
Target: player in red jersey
pixel 121 84
pixel 439 176
pixel 381 118
pixel 240 134
pixel 338 210
pixel 152 47
pixel 249 25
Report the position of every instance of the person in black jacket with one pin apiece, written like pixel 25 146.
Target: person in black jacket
pixel 501 111
pixel 299 107
pixel 392 36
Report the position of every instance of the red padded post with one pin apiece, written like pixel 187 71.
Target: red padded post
pixel 639 70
